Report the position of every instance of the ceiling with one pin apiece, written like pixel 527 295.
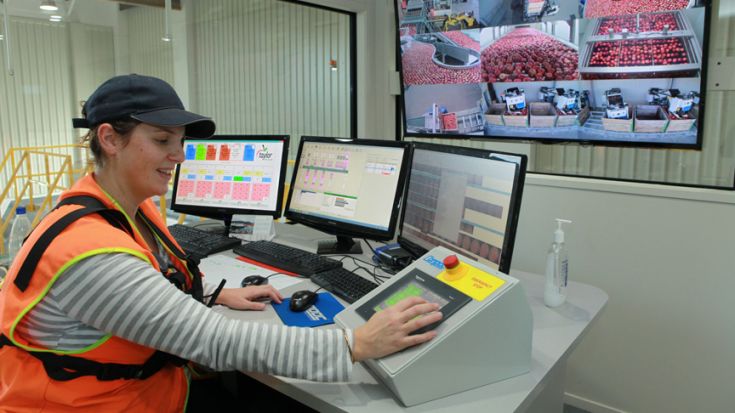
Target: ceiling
pixel 29 8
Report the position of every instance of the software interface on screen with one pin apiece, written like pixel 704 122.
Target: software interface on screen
pixel 349 183
pixel 412 289
pixel 459 202
pixel 236 174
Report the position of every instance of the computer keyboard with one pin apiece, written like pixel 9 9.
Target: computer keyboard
pixel 199 243
pixel 286 258
pixel 344 284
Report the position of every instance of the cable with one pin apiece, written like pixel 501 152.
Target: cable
pixel 382 266
pixel 216 292
pixel 379 279
pixel 370 246
pixel 358 266
pixel 355 260
pixel 358 260
pixel 376 278
pixel 379 265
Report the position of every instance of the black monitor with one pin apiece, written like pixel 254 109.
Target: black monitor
pixel 231 174
pixel 464 199
pixel 348 188
pixel 492 85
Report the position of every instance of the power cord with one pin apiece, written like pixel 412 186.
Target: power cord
pixel 369 246
pixel 378 279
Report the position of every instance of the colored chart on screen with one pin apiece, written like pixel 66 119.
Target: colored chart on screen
pixel 347 182
pixel 230 174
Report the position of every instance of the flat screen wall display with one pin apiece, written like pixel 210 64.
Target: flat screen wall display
pixel 622 72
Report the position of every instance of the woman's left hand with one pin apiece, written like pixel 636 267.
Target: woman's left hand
pixel 248 298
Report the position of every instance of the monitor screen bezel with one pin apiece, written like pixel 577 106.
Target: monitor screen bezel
pixel 224 212
pixel 506 254
pixel 340 228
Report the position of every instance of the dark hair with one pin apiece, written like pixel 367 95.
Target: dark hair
pixel 122 127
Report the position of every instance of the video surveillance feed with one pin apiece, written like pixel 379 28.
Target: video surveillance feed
pixel 600 71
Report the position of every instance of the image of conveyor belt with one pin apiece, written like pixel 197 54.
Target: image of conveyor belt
pixel 653 45
pixel 441 58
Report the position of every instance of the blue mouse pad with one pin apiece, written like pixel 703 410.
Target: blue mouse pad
pixel 321 313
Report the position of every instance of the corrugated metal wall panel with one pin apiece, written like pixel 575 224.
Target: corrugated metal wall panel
pixel 712 166
pixel 35 108
pixel 263 67
pixel 149 55
pixel 37 104
pixel 93 59
pixel 93 62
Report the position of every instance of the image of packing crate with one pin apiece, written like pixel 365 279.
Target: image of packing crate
pixel 650 119
pixel 543 115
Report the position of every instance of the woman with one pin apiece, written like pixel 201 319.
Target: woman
pixel 90 324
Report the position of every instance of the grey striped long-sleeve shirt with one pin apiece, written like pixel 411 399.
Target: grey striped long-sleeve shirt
pixel 122 295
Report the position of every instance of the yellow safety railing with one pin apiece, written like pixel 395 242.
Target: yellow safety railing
pixel 22 177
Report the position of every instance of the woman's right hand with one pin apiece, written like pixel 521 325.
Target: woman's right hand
pixel 246 298
pixel 388 330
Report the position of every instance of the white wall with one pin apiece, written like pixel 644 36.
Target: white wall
pixel 665 257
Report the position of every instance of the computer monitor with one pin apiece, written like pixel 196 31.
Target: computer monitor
pixel 231 174
pixel 464 199
pixel 348 188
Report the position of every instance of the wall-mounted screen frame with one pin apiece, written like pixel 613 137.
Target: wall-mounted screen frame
pixel 555 70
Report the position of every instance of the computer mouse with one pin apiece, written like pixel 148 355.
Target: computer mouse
pixel 302 300
pixel 253 280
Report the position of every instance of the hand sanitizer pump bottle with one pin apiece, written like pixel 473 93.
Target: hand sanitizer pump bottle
pixel 557 268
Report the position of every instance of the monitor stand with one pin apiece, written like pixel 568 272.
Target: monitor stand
pixel 227 218
pixel 343 245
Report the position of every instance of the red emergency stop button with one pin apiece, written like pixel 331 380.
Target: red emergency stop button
pixel 454 268
pixel 451 262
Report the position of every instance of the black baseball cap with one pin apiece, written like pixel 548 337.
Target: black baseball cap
pixel 143 98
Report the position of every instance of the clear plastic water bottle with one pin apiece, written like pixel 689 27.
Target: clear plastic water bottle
pixel 18 231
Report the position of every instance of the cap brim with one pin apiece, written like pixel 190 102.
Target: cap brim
pixel 197 126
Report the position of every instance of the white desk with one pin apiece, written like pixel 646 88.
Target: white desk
pixel 556 333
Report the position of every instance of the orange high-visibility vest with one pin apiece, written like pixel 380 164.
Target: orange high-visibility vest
pixel 24 383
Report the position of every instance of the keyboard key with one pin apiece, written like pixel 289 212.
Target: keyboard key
pixel 286 258
pixel 199 243
pixel 345 284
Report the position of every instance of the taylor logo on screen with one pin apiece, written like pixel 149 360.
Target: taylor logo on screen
pixel 263 154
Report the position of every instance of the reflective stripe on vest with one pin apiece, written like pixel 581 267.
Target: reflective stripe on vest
pixel 65 367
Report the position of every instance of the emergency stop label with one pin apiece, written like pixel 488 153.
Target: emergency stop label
pixel 476 283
